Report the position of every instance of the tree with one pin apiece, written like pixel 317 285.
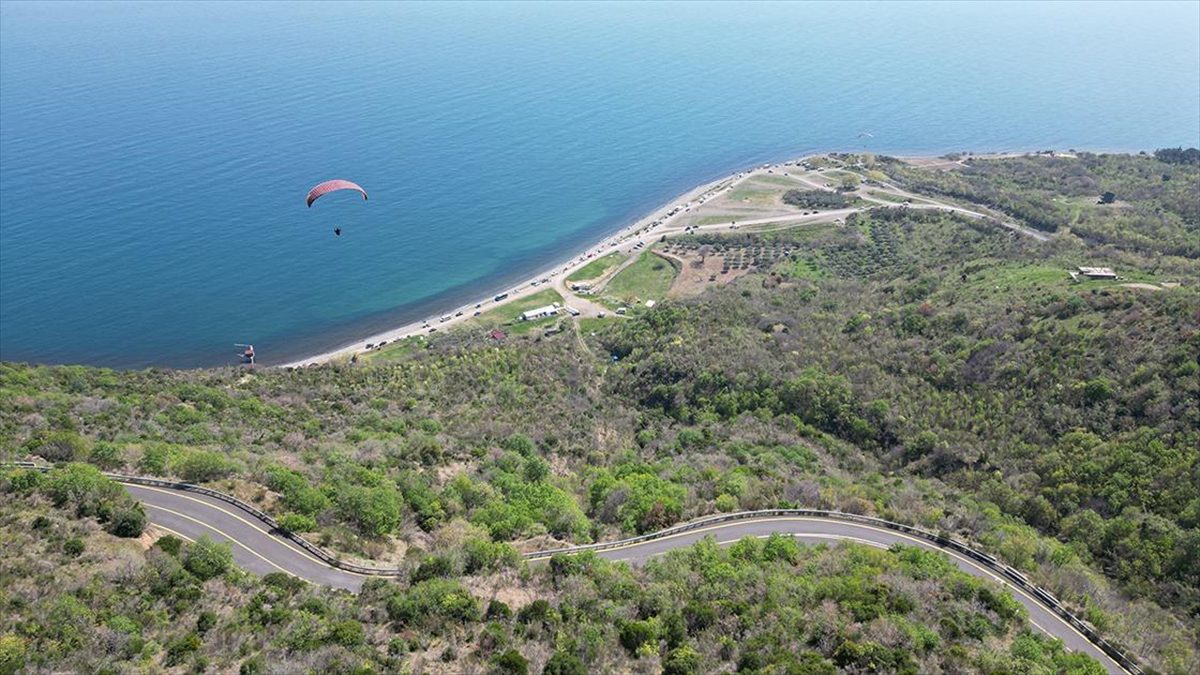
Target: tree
pixel 201 466
pixel 206 558
pixel 684 660
pixel 564 663
pixel 347 632
pixel 512 663
pixel 73 547
pixel 126 519
pixel 106 455
pixel 634 634
pixel 12 654
pixel 376 510
pixel 59 446
pixel 1108 198
pixel 850 181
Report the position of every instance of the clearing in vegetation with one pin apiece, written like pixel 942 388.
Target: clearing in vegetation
pixel 598 267
pixel 647 278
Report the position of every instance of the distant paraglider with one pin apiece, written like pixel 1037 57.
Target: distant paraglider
pixel 332 186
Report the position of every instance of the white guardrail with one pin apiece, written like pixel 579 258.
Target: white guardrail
pixel 1013 575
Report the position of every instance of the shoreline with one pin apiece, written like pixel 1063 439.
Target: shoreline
pixel 653 224
pixel 644 226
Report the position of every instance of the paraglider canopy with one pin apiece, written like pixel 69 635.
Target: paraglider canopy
pixel 332 186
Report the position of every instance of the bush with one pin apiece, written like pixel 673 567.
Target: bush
pixel 93 494
pixel 12 654
pixel 25 480
pixel 535 612
pixel 202 466
pixel 427 602
pixel 683 660
pixel 815 199
pixel 564 663
pixel 298 495
pixel 205 621
pixel 498 610
pixel 58 446
pixel 179 649
pixel 512 663
pixel 433 567
pixel 106 455
pixel 207 559
pixel 169 544
pixel 126 519
pixel 374 510
pixel 634 634
pixel 297 522
pixel 347 632
pixel 73 547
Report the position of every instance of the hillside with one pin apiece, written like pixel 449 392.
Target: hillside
pixel 918 365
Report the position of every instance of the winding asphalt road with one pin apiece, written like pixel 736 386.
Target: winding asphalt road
pixel 255 548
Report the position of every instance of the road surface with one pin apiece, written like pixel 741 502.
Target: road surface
pixel 255 548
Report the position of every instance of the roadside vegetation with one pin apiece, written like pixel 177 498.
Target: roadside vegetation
pixel 910 364
pixel 183 607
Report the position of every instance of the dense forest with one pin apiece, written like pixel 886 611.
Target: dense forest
pixel 910 364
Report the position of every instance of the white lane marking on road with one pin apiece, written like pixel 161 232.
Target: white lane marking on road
pixel 231 539
pixel 173 532
pixel 259 526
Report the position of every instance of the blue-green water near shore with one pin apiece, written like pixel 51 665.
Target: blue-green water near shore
pixel 154 157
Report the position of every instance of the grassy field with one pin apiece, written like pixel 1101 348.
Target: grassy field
pixel 510 313
pixel 397 350
pixel 717 220
pixel 887 196
pixel 648 278
pixel 598 267
pixel 746 195
pixel 782 181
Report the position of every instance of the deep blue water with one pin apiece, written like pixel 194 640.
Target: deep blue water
pixel 154 157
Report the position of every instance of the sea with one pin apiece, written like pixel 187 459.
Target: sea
pixel 154 157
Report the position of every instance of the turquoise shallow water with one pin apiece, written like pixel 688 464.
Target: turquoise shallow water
pixel 154 157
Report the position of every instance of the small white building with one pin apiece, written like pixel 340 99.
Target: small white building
pixel 1098 272
pixel 540 312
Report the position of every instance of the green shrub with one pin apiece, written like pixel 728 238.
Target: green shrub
pixel 12 654
pixel 106 455
pixel 73 547
pixel 347 632
pixel 564 663
pixel 297 522
pixel 170 544
pixel 634 634
pixel 202 466
pixel 511 663
pixel 180 648
pixel 374 510
pixel 207 559
pixel 58 446
pixel 205 621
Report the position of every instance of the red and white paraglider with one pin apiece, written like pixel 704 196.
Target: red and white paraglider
pixel 333 186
